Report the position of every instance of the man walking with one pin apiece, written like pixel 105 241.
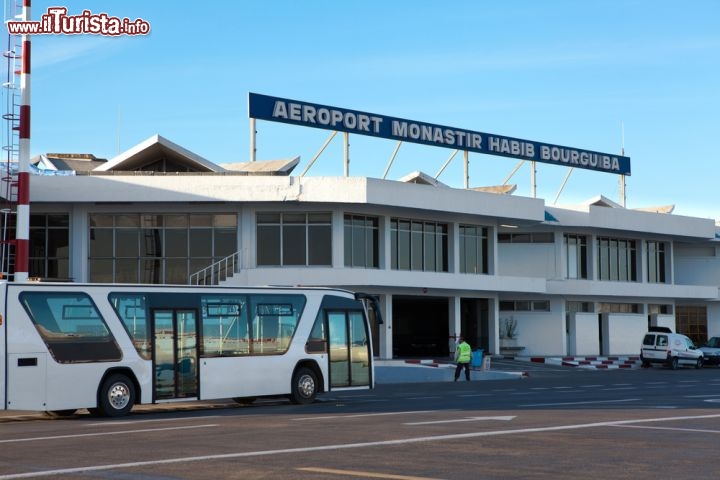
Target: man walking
pixel 463 355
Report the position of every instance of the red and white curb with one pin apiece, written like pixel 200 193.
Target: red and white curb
pixel 590 362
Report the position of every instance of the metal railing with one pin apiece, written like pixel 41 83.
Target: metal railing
pixel 217 272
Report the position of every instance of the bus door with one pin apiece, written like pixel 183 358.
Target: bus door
pixel 349 349
pixel 175 353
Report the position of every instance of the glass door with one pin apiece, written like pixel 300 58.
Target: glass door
pixel 175 353
pixel 349 349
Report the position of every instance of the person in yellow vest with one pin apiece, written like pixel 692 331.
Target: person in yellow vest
pixel 463 355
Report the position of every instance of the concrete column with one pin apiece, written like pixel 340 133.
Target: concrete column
pixel 79 248
pixel 338 239
pixel 385 349
pixel 454 324
pixel 493 326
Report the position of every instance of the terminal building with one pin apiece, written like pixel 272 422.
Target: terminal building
pixel 512 274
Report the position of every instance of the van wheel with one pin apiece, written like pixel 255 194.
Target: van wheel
pixel 699 363
pixel 304 386
pixel 116 396
pixel 674 363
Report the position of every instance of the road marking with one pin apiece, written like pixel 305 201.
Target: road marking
pixel 579 403
pixel 357 473
pixel 98 434
pixel 345 446
pixel 613 389
pixel 702 396
pixel 360 415
pixel 466 419
pixel 424 398
pixel 700 430
pixel 477 395
pixel 133 422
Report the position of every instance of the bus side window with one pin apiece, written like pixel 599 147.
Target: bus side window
pixel 317 343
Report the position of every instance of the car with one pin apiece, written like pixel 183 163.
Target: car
pixel 671 349
pixel 711 351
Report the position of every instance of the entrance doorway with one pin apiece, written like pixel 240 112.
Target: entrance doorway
pixel 175 353
pixel 420 326
pixel 474 315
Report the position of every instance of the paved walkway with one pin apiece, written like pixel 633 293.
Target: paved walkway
pixel 401 371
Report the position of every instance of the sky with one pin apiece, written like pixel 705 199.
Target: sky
pixel 595 75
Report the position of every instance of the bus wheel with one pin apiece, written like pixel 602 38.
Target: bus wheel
pixel 304 386
pixel 244 400
pixel 61 413
pixel 117 396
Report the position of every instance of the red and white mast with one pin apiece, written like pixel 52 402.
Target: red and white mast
pixel 22 229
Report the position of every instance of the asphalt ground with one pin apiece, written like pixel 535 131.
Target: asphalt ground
pixel 387 372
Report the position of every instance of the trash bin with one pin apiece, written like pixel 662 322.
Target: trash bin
pixel 477 356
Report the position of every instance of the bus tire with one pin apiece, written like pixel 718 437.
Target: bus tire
pixel 304 386
pixel 116 396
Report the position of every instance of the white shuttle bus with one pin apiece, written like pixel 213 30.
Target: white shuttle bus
pixel 67 346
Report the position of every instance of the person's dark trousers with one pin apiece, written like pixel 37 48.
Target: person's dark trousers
pixel 460 367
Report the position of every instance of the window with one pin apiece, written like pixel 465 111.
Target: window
pixel 536 237
pixel 49 243
pixel 576 256
pixel 663 309
pixel 574 307
pixel 617 259
pixel 361 241
pixel 619 308
pixel 132 310
pixel 473 249
pixel 655 262
pixel 691 320
pixel 524 306
pixel 157 248
pixel 294 239
pixel 71 327
pixel 234 325
pixel 418 245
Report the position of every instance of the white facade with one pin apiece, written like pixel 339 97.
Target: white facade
pixel 531 278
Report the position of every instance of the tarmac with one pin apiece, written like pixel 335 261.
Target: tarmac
pixel 386 372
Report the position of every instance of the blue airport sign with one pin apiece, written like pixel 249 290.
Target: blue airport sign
pixel 275 109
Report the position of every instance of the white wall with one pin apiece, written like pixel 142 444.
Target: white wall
pixel 542 334
pixel 713 317
pixel 697 270
pixel 584 334
pixel 660 320
pixel 527 259
pixel 623 333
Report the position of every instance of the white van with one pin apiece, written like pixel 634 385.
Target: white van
pixel 671 349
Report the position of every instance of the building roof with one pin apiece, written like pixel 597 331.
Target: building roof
pixel 75 162
pixel 264 167
pixel 146 155
pixel 422 179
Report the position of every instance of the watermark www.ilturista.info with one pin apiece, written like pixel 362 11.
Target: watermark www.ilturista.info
pixel 57 22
